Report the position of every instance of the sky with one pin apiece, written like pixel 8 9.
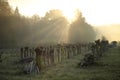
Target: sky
pixel 96 12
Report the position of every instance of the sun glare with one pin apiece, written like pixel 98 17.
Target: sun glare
pixel 69 14
pixel 92 10
pixel 33 7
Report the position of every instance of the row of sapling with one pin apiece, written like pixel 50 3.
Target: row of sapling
pixel 28 60
pixel 61 50
pixel 96 51
pixel 45 55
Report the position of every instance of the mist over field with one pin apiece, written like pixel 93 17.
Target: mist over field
pixel 59 40
pixel 111 32
pixel 81 31
pixel 54 27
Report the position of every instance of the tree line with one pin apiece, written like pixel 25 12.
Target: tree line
pixel 17 30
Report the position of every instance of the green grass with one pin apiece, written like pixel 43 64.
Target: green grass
pixel 107 68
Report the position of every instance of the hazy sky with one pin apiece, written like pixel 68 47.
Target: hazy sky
pixel 96 12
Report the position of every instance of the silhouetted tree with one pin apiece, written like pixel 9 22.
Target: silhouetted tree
pixel 80 30
pixel 16 12
pixel 53 14
pixel 51 27
pixel 5 9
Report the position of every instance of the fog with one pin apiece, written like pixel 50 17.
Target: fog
pixel 18 30
pixel 111 32
pixel 81 31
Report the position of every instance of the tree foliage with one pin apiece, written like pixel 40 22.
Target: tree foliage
pixel 18 30
pixel 5 9
pixel 80 30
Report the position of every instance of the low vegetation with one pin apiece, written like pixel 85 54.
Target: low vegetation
pixel 106 68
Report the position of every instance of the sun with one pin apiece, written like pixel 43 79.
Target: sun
pixel 69 14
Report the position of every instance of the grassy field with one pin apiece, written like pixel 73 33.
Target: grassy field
pixel 107 68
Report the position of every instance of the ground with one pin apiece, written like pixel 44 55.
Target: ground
pixel 106 68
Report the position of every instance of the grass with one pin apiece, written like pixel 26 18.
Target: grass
pixel 107 68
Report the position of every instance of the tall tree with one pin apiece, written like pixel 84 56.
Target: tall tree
pixel 80 30
pixel 16 13
pixel 52 14
pixel 51 27
pixel 5 9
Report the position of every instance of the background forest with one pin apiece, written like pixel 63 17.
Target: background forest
pixel 17 30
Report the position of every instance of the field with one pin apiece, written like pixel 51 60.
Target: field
pixel 106 68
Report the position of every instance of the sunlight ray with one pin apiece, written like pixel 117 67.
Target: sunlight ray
pixel 55 29
pixel 49 33
pixel 64 35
